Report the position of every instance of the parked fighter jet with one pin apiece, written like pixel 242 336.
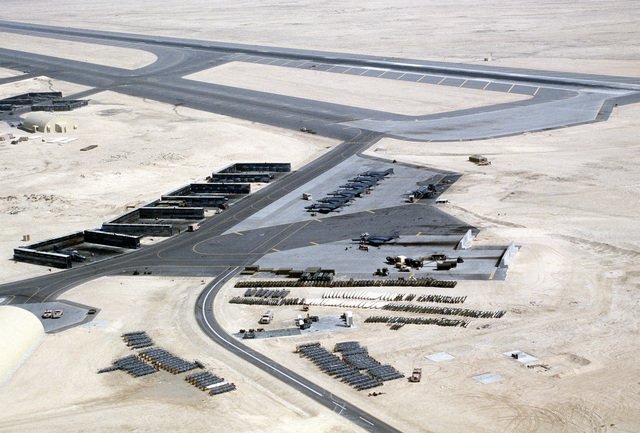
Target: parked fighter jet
pixel 361 178
pixel 349 192
pixel 73 254
pixel 325 207
pixel 378 174
pixel 374 240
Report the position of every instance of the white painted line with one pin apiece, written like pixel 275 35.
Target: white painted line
pixel 365 420
pixel 239 348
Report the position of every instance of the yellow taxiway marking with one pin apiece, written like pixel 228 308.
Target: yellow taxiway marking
pixel 419 233
pixel 314 243
pixel 443 78
pixel 463 83
pixel 277 251
pixel 534 93
pixel 491 276
pixel 486 85
pixel 238 233
pixel 509 91
pixel 401 76
pixel 316 219
pixel 370 211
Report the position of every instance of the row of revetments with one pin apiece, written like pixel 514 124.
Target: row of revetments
pixel 163 217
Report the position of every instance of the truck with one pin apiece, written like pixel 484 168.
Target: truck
pixel 266 318
pixel 416 375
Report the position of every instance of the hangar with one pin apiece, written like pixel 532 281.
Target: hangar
pixel 46 122
pixel 21 332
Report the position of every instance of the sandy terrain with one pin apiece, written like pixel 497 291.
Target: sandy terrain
pixel 569 197
pixel 33 400
pixel 385 95
pixel 68 190
pixel 543 34
pixel 117 57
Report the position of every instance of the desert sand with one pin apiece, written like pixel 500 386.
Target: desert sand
pixel 569 197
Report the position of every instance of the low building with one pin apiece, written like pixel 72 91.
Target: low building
pixel 46 122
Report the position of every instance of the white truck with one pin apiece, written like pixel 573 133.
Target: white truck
pixel 266 318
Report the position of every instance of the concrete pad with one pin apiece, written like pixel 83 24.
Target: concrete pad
pixel 439 357
pixel 327 324
pixel 488 378
pixel 73 314
pixel 522 357
pixel 389 192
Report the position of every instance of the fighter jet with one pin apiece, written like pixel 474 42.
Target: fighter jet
pixel 340 200
pixel 374 240
pixel 326 207
pixel 349 192
pixel 369 181
pixel 73 254
pixel 378 174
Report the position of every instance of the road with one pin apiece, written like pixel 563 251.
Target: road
pixel 555 100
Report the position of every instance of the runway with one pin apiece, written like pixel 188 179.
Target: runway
pixel 556 100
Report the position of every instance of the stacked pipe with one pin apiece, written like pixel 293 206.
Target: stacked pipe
pixel 165 360
pixel 359 357
pixel 334 366
pixel 401 321
pixel 264 293
pixel 132 365
pixel 417 282
pixel 445 310
pixel 266 301
pixel 204 380
pixel 137 339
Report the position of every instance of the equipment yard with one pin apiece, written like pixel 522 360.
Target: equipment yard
pixel 319 217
